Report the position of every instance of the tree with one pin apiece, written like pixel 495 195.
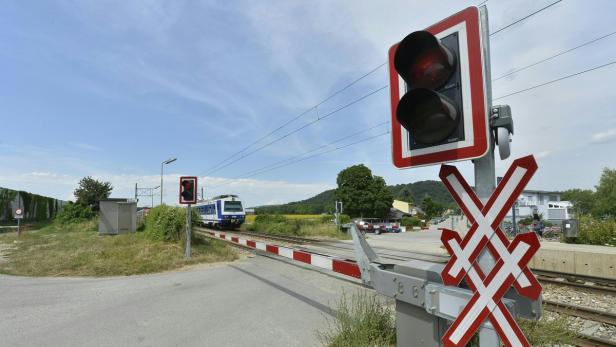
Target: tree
pixel 405 194
pixel 583 200
pixel 382 197
pixel 90 192
pixel 605 197
pixel 363 194
pixel 432 208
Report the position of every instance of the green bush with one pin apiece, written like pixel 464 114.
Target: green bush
pixel 410 222
pixel 345 218
pixel 270 218
pixel 327 218
pixel 74 213
pixel 166 223
pixel 281 225
pixel 596 231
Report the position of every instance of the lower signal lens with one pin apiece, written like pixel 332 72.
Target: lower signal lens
pixel 428 116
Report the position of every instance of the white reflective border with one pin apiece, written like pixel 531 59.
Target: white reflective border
pixel 285 252
pixel 321 261
pixel 466 100
pixel 260 245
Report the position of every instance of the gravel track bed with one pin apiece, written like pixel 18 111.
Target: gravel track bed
pixel 580 297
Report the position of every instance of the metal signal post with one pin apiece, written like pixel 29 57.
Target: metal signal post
pixel 188 196
pixel 188 251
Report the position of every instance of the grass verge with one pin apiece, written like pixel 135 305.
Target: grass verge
pixel 281 225
pixel 77 250
pixel 362 319
pixel 251 217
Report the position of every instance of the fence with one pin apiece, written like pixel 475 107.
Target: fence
pixel 35 207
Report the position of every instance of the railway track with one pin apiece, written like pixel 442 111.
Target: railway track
pixel 291 239
pixel 580 311
pixel 590 283
pixel 592 341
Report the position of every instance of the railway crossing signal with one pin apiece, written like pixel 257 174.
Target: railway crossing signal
pixel 188 190
pixel 438 93
pixel 511 258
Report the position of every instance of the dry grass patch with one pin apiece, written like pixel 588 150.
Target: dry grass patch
pixel 77 250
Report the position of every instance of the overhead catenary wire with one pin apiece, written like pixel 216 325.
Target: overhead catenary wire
pixel 554 56
pixel 555 80
pixel 525 17
pixel 317 148
pixel 306 158
pixel 329 97
pixel 326 152
pixel 280 138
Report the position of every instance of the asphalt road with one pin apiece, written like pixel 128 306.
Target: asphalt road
pixel 254 302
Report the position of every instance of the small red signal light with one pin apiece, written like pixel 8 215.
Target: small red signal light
pixel 188 190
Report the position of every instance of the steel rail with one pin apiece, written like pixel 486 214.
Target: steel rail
pixel 595 288
pixel 606 282
pixel 581 312
pixel 592 341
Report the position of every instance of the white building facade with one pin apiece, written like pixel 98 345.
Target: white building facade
pixel 548 205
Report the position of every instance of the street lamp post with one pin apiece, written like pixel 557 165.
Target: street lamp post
pixel 162 165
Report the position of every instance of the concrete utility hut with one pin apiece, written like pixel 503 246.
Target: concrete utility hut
pixel 117 216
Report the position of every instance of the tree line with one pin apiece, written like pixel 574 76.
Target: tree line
pixel 599 203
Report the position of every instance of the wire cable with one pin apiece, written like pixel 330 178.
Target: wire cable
pixel 306 158
pixel 556 80
pixel 300 128
pixel 524 18
pixel 299 115
pixel 553 56
pixel 316 149
pixel 322 153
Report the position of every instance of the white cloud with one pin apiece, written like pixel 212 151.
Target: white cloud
pixel 543 154
pixel 604 136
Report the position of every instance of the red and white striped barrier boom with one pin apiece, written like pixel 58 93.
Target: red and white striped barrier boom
pixel 341 266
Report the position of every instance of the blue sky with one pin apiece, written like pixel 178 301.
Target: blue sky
pixel 112 88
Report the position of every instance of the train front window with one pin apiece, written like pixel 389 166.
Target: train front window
pixel 233 206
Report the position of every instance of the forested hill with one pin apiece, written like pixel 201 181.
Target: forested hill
pixel 324 202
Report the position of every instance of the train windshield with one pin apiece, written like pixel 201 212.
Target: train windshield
pixel 233 206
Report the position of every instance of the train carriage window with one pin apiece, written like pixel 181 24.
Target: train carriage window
pixel 233 206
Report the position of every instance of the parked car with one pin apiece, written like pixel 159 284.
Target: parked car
pixel 364 226
pixel 395 228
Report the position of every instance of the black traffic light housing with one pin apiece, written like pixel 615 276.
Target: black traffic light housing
pixel 431 109
pixel 188 190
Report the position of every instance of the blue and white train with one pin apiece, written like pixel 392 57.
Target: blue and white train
pixel 223 211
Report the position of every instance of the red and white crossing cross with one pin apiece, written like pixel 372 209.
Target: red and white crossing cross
pixel 486 220
pixel 511 259
pixel 488 293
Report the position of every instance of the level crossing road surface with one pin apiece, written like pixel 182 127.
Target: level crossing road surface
pixel 253 302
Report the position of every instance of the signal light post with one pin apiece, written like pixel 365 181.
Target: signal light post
pixel 188 196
